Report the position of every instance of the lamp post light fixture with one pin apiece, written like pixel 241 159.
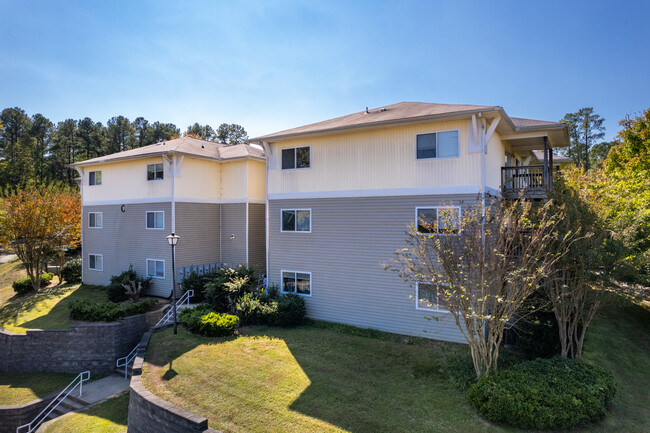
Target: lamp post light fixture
pixel 173 240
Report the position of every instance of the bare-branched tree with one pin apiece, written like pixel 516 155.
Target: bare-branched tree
pixel 483 268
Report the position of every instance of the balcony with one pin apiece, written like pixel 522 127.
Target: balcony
pixel 530 181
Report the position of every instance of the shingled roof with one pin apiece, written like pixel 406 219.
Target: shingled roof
pixel 405 112
pixel 183 146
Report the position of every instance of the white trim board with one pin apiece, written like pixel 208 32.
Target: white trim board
pixel 178 200
pixel 388 192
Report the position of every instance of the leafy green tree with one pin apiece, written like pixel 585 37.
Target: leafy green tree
pixel 143 132
pixel 585 129
pixel 599 152
pixel 65 148
pixel 92 138
pixel 203 132
pixel 231 134
pixel 121 135
pixel 41 131
pixel 163 131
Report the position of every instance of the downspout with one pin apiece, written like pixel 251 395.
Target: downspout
pixel 247 194
pixel 172 174
pixel 80 170
pixel 267 155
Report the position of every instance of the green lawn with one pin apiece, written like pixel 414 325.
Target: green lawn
pixel 107 417
pixel 46 309
pixel 20 388
pixel 10 272
pixel 313 379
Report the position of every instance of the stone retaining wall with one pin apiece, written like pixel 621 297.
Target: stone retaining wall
pixel 89 346
pixel 151 414
pixel 11 417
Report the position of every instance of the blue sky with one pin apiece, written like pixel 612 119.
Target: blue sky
pixel 274 65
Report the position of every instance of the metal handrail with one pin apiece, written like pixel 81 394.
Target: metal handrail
pixel 126 360
pixel 184 299
pixel 36 422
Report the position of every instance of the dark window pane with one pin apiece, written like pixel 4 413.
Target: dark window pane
pixel 288 159
pixel 159 173
pixel 303 220
pixel 426 146
pixel 427 219
pixel 288 220
pixel 151 220
pixel 303 284
pixel 302 157
pixel 91 261
pixel 151 172
pixel 288 282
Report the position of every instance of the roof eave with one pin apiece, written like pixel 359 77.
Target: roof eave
pixel 169 152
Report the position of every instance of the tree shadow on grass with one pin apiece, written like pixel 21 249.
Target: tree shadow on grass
pixel 57 317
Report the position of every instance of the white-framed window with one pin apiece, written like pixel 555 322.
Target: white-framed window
pixel 95 177
pixel 156 220
pixel 95 220
pixel 442 144
pixel 296 157
pixel 155 171
pixel 296 282
pixel 429 297
pixel 438 219
pixel 156 268
pixel 96 262
pixel 296 220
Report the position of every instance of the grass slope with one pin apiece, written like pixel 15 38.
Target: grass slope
pixel 21 388
pixel 46 309
pixel 10 272
pixel 310 379
pixel 107 417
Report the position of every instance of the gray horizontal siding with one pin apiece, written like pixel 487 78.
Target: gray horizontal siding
pixel 350 242
pixel 233 222
pixel 198 226
pixel 124 240
pixel 257 236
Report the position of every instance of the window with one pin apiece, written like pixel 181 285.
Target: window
pixel 296 220
pixel 155 268
pixel 96 262
pixel 437 145
pixel 95 220
pixel 156 220
pixel 295 157
pixel 155 171
pixel 95 178
pixel 429 297
pixel 438 219
pixel 296 282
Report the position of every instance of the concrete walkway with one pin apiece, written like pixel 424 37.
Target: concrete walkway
pixel 4 258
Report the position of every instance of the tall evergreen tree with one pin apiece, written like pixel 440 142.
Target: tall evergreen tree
pixel 121 135
pixel 42 129
pixel 231 134
pixel 585 129
pixel 64 150
pixel 204 132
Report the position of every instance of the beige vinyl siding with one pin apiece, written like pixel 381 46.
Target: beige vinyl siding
pixel 124 240
pixel 233 222
pixel 380 158
pixel 256 236
pixel 198 226
pixel 494 160
pixel 234 180
pixel 199 179
pixel 351 241
pixel 256 180
pixel 126 180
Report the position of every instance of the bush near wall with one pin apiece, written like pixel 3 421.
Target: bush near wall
pixel 24 285
pixel 201 320
pixel 108 311
pixel 551 393
pixel 117 292
pixel 71 271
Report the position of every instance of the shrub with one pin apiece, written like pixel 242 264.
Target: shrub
pixel 116 291
pixel 71 271
pixel 256 311
pixel 544 394
pixel 107 311
pixel 460 367
pixel 197 283
pixel 226 286
pixel 291 311
pixel 24 285
pixel 201 320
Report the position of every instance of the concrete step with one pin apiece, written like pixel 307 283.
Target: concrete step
pixel 120 371
pixel 79 400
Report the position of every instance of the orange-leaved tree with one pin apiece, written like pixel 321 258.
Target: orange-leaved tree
pixel 36 222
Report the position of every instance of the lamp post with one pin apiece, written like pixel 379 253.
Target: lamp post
pixel 173 240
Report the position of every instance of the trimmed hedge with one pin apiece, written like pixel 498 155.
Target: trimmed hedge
pixel 200 320
pixel 24 285
pixel 107 311
pixel 71 271
pixel 544 394
pixel 285 311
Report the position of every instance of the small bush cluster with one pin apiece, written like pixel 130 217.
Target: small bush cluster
pixel 201 320
pixel 117 292
pixel 24 285
pixel 71 271
pixel 273 310
pixel 107 311
pixel 551 393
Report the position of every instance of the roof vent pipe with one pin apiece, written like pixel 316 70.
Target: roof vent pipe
pixel 367 112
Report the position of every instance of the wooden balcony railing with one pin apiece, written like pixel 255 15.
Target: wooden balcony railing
pixel 530 181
